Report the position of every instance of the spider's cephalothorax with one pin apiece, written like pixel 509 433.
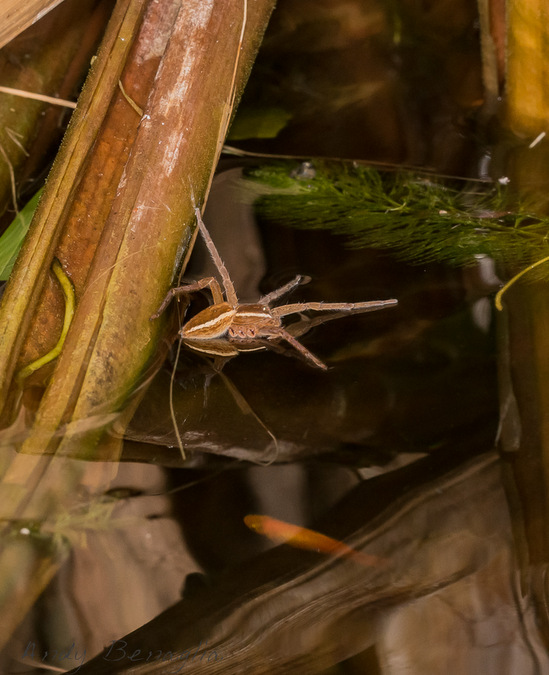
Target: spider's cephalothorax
pixel 226 327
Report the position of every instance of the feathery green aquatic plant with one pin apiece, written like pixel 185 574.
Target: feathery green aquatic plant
pixel 421 218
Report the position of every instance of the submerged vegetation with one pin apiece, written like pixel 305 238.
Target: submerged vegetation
pixel 421 218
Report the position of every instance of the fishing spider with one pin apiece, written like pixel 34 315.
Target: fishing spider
pixel 227 327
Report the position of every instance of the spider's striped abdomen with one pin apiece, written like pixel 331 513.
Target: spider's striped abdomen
pixel 212 322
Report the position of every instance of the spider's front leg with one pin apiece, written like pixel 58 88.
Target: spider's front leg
pixel 338 310
pixel 350 307
pixel 284 290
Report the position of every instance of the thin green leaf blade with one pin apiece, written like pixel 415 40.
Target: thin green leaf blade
pixel 12 239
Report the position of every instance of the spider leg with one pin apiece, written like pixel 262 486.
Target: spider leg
pixel 212 282
pixel 283 290
pixel 227 283
pixel 297 307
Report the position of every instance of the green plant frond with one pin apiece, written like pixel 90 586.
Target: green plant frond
pixel 12 239
pixel 420 219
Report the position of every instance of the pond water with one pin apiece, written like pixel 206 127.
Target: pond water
pixel 392 451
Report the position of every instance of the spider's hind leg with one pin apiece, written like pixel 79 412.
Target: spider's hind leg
pixel 212 282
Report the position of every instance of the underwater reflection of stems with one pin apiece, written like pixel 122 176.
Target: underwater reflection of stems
pixel 172 410
pixel 245 407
